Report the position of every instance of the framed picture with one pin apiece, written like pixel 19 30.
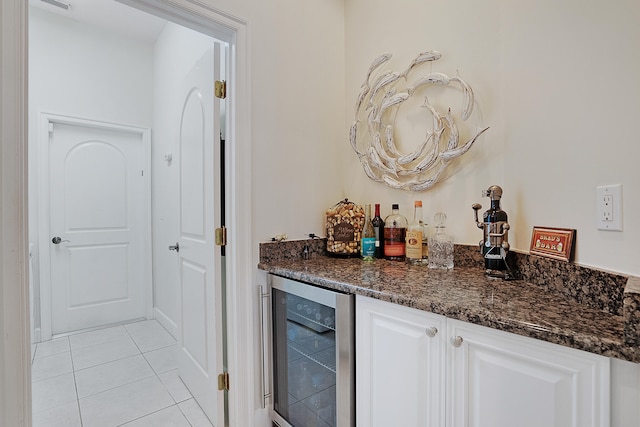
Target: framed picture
pixel 552 242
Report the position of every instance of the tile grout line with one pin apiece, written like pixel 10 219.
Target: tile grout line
pixel 36 352
pixel 134 340
pixel 110 361
pixel 185 415
pixel 177 404
pixel 153 371
pixel 126 383
pixel 100 343
pixel 136 343
pixel 75 383
pixel 52 376
pixel 151 413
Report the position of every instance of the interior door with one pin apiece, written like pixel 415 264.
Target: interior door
pixel 96 205
pixel 199 352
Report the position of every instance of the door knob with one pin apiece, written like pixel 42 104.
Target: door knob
pixel 175 248
pixel 57 240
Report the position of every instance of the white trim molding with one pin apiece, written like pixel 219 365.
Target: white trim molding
pixel 15 373
pixel 15 352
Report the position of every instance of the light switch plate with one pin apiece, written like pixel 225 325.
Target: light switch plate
pixel 609 207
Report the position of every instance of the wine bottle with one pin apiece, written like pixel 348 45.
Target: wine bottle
pixel 415 235
pixel 395 229
pixel 378 228
pixel 368 241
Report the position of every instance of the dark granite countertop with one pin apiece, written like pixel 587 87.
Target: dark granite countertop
pixel 466 293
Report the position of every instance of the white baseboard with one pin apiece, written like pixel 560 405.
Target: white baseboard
pixel 37 336
pixel 166 322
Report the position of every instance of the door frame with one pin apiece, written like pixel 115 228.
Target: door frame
pixel 15 371
pixel 45 121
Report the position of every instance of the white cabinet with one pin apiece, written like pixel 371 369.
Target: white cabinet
pixel 399 365
pixel 499 379
pixel 467 375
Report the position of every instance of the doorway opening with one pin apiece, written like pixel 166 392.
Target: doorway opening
pixel 81 87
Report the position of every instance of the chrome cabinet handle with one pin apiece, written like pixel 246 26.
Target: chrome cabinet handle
pixel 175 248
pixel 431 331
pixel 456 341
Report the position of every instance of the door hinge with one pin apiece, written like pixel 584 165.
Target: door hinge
pixel 221 89
pixel 223 381
pixel 221 236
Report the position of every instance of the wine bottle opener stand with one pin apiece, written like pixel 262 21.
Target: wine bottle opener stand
pixel 495 243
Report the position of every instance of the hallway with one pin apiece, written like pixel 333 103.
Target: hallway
pixel 119 376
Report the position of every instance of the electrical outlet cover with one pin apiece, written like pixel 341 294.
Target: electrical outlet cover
pixel 609 207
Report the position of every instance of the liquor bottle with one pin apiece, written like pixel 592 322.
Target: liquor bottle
pixel 378 228
pixel 440 245
pixel 395 228
pixel 368 241
pixel 416 233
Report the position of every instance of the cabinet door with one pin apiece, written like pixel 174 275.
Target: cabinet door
pixel 500 379
pixel 399 365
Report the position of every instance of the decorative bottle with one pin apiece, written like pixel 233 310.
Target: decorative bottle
pixel 440 245
pixel 378 228
pixel 415 234
pixel 368 241
pixel 495 220
pixel 395 228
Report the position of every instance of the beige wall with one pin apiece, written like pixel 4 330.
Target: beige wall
pixel 297 96
pixel 558 84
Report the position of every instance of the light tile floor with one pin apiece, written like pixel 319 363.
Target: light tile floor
pixel 119 376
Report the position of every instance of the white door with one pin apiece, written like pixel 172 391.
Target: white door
pixel 400 356
pixel 97 220
pixel 199 355
pixel 499 379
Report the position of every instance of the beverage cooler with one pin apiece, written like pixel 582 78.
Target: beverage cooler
pixel 312 345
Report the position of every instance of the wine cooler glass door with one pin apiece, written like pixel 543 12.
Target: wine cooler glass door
pixel 305 348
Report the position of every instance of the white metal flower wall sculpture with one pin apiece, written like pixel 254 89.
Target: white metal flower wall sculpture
pixel 372 133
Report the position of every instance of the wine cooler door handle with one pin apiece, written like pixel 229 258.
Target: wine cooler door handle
pixel 264 336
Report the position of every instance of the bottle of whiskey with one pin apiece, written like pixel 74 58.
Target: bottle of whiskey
pixel 416 233
pixel 395 228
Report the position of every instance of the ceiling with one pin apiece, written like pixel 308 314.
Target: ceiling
pixel 110 15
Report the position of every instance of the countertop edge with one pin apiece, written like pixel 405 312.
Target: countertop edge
pixel 620 349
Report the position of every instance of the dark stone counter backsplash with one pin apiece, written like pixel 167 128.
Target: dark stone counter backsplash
pixel 551 300
pixel 594 288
